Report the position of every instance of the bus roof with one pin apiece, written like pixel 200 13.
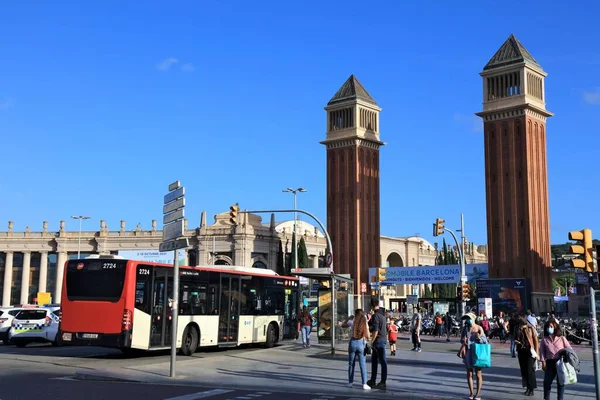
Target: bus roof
pixel 220 268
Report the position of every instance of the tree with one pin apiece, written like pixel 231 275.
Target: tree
pixel 446 257
pixel 280 258
pixel 427 293
pixel 302 254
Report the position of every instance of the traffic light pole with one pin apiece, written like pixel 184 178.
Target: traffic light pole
pixel 594 333
pixel 463 274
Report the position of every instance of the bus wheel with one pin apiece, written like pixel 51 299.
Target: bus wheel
pixel 270 336
pixel 189 344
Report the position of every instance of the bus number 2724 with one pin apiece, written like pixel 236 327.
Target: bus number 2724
pixel 143 271
pixel 109 266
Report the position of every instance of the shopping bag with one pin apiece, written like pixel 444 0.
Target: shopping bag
pixel 566 373
pixel 481 355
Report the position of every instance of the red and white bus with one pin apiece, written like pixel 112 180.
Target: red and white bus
pixel 112 302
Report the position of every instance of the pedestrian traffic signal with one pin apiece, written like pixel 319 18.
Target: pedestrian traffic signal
pixel 582 247
pixel 438 227
pixel 233 213
pixel 466 291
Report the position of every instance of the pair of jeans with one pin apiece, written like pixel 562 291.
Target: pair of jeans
pixel 356 349
pixel 416 339
pixel 549 377
pixel 527 365
pixel 512 345
pixel 306 334
pixel 379 356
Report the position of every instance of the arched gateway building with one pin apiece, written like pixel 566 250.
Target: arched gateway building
pixel 32 261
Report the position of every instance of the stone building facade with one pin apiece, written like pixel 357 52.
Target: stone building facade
pixel 33 261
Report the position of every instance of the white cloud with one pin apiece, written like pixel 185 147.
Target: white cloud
pixel 189 67
pixel 6 103
pixel 166 64
pixel 471 122
pixel 592 97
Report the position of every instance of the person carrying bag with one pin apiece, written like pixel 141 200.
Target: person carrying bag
pixel 475 352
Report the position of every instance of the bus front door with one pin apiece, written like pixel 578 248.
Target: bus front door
pixel 162 296
pixel 229 311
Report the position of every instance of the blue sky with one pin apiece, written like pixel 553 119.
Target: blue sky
pixel 103 104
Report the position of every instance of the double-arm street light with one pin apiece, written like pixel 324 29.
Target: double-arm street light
pixel 79 217
pixel 294 244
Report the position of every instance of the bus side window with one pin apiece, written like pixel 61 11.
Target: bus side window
pixel 141 296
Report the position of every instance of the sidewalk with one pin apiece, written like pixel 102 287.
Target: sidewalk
pixel 291 368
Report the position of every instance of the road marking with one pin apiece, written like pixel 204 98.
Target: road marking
pixel 200 395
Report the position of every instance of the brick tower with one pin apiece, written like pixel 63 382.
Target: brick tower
pixel 516 177
pixel 353 180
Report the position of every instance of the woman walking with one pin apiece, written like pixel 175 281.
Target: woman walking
pixel 527 349
pixel 472 333
pixel 356 348
pixel 550 348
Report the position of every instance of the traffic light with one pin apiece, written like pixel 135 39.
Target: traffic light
pixel 458 292
pixel 583 247
pixel 466 291
pixel 233 213
pixel 381 274
pixel 438 227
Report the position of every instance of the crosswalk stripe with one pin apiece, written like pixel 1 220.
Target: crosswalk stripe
pixel 200 395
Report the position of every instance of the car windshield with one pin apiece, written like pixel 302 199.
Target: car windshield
pixel 31 314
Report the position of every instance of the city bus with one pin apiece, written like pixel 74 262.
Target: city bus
pixel 109 301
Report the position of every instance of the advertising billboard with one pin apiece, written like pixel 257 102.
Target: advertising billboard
pixel 428 274
pixel 509 295
pixel 152 255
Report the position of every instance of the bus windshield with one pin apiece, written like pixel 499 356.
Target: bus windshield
pixel 95 280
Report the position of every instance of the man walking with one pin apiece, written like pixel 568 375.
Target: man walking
pixel 379 341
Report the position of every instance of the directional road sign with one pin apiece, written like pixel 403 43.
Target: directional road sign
pixel 174 245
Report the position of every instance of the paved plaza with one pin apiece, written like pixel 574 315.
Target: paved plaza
pixel 288 371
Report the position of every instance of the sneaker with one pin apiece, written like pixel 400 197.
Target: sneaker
pixel 366 387
pixel 350 385
pixel 419 350
pixel 380 386
pixel 414 349
pixel 370 383
pixel 304 345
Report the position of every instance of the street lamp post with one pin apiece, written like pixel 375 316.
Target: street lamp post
pixel 79 217
pixel 295 241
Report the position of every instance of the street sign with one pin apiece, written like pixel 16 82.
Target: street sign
pixel 174 195
pixel 174 216
pixel 363 287
pixel 328 259
pixel 174 245
pixel 173 231
pixel 180 203
pixel 174 185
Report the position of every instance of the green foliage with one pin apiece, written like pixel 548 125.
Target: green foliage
pixel 280 260
pixel 445 257
pixel 302 254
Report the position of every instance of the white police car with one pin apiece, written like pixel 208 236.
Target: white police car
pixel 38 324
pixel 6 316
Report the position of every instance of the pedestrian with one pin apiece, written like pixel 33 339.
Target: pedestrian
pixel 393 336
pixel 528 349
pixel 448 322
pixel 438 325
pixel 550 350
pixel 356 348
pixel 415 330
pixel 513 325
pixel 305 321
pixel 471 333
pixel 485 324
pixel 531 319
pixel 379 341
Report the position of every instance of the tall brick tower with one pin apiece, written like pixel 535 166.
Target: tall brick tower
pixel 353 180
pixel 516 177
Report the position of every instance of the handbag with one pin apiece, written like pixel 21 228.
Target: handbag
pixel 566 373
pixel 481 355
pixel 368 348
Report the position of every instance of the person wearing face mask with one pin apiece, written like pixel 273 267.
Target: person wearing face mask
pixel 472 333
pixel 550 352
pixel 528 349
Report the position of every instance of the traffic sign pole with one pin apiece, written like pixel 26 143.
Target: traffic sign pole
pixel 173 230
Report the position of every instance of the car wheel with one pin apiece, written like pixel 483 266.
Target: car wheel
pixel 190 341
pixel 20 343
pixel 270 342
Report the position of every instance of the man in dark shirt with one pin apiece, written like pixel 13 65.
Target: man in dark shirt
pixel 379 341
